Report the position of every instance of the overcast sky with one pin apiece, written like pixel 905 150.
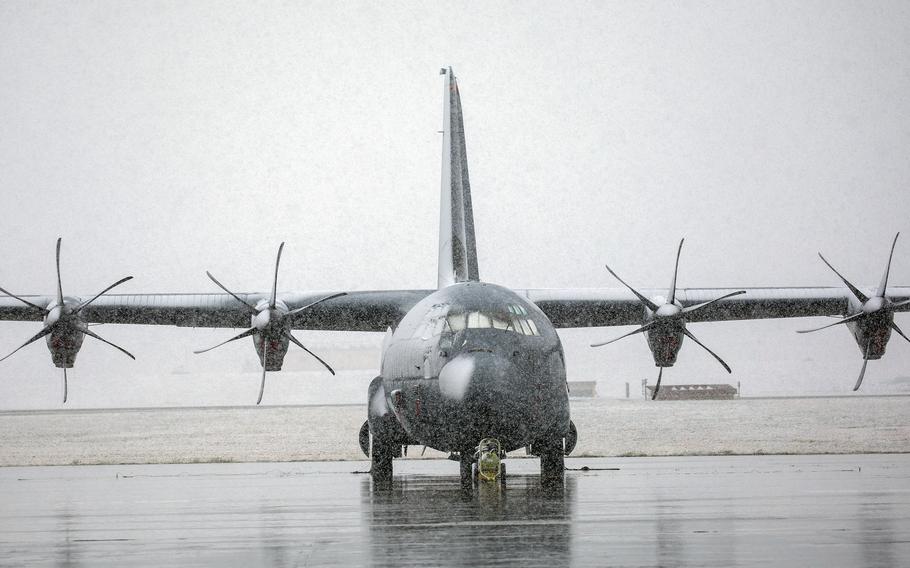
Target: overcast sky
pixel 165 139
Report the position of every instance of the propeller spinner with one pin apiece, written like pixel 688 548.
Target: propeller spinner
pixel 873 321
pixel 666 325
pixel 271 327
pixel 63 325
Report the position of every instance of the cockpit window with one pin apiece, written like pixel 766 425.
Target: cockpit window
pixel 433 323
pixel 516 320
pixel 456 322
pixel 477 319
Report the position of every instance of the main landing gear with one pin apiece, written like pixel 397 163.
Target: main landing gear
pixel 552 453
pixel 552 462
pixel 382 453
pixel 381 457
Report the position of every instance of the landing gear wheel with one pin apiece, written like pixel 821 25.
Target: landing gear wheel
pixel 552 463
pixel 466 460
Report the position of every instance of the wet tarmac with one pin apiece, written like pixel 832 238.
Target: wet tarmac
pixel 851 510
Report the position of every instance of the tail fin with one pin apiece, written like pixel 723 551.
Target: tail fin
pixel 457 250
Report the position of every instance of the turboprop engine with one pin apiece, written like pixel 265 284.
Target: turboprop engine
pixel 872 318
pixel 64 326
pixel 665 325
pixel 271 327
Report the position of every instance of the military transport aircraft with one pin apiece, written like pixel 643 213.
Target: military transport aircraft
pixel 470 361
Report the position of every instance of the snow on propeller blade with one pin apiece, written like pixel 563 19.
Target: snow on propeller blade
pixel 271 327
pixel 665 325
pixel 64 325
pixel 872 319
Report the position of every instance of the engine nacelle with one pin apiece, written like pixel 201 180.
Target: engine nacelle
pixel 665 344
pixel 64 346
pixel 874 332
pixel 66 333
pixel 276 347
pixel 272 334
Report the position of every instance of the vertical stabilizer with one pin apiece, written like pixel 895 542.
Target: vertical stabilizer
pixel 457 250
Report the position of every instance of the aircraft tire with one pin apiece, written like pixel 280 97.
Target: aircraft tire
pixel 363 438
pixel 552 463
pixel 466 461
pixel 571 438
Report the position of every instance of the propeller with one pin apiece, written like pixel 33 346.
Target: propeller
pixel 875 315
pixel 63 318
pixel 668 321
pixel 271 323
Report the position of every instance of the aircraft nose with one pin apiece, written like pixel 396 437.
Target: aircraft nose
pixel 477 376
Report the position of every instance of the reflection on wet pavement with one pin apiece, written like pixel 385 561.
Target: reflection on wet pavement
pixel 705 511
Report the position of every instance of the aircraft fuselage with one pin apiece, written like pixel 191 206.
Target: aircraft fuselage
pixel 476 360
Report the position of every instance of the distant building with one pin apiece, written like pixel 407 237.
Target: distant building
pixel 582 389
pixel 694 392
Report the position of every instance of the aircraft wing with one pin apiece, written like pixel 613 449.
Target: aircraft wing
pixel 379 310
pixel 596 307
pixel 355 311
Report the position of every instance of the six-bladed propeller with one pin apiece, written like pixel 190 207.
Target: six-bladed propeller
pixel 271 326
pixel 873 322
pixel 666 324
pixel 65 326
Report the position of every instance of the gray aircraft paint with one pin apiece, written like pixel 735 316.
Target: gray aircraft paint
pixel 448 388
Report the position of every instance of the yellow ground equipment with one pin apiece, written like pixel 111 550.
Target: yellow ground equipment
pixel 489 457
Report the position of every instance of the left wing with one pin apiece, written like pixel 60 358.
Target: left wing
pixel 354 311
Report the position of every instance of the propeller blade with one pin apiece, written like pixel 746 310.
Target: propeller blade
pixel 651 305
pixel 643 328
pixel 36 337
pixel 882 288
pixel 275 282
pixel 703 346
pixel 854 317
pixel 296 342
pixel 64 385
pixel 59 283
pixel 235 296
pixel 101 293
pixel 37 307
pixel 897 305
pixel 691 309
pixel 103 340
pixel 311 304
pixel 859 295
pixel 898 330
pixel 246 333
pixel 675 271
pixel 862 371
pixel 264 359
pixel 657 386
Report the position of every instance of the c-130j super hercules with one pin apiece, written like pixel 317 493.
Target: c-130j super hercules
pixel 470 363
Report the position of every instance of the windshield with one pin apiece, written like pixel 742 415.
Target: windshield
pixel 515 318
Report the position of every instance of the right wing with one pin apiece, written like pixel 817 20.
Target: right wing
pixel 596 307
